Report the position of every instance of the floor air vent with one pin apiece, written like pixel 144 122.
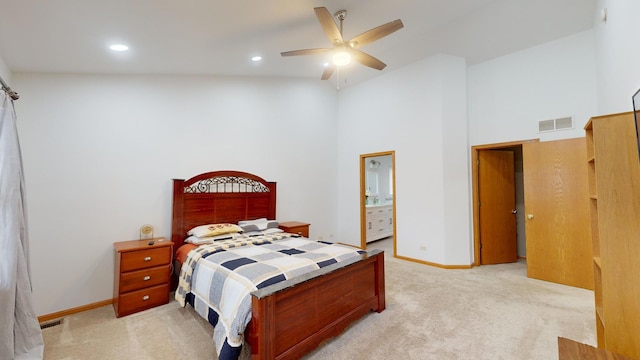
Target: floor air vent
pixel 555 124
pixel 50 324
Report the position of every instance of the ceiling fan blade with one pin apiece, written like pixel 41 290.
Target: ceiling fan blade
pixel 304 52
pixel 367 60
pixel 376 33
pixel 328 25
pixel 328 71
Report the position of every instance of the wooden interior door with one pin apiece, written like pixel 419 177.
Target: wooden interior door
pixel 497 204
pixel 557 224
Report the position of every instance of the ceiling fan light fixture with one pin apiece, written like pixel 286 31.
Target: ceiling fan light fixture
pixel 119 47
pixel 341 58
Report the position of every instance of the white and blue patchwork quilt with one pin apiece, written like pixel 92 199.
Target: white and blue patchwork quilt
pixel 217 279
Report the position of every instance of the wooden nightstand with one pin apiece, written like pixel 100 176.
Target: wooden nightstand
pixel 295 227
pixel 142 275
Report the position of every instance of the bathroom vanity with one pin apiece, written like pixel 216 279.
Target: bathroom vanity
pixel 379 221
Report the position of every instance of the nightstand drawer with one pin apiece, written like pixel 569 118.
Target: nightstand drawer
pixel 143 299
pixel 134 260
pixel 300 230
pixel 134 280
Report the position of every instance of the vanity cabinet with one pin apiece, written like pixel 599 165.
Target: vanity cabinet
pixel 379 222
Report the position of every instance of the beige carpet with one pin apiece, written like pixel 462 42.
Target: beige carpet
pixel 488 312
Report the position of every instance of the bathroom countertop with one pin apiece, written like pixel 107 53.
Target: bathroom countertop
pixel 377 205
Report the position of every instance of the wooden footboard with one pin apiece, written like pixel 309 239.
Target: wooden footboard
pixel 293 317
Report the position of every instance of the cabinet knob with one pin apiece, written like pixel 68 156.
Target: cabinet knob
pixel 148 258
pixel 145 298
pixel 146 278
pixel 530 216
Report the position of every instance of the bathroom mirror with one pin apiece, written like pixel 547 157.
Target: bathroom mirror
pixel 372 182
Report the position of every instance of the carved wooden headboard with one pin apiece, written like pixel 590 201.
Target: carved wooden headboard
pixel 225 196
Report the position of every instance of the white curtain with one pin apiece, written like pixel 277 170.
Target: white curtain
pixel 20 334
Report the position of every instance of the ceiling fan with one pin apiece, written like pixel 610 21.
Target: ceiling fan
pixel 343 50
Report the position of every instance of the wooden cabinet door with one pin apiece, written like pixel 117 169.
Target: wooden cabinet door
pixel 557 217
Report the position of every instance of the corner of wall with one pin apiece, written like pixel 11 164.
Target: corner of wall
pixel 4 71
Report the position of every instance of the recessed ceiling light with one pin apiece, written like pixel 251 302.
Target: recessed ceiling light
pixel 119 47
pixel 256 58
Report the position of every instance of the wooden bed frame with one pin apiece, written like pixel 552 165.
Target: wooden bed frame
pixel 290 318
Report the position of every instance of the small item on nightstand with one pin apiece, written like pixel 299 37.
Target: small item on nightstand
pixel 151 242
pixel 146 232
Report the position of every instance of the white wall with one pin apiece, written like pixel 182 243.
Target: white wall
pixel 406 111
pixel 100 152
pixel 5 73
pixel 618 55
pixel 509 95
pixel 456 175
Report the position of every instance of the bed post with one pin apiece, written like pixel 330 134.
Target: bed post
pixel 263 328
pixel 272 200
pixel 379 270
pixel 177 233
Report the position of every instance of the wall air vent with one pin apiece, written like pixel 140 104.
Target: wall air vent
pixel 555 124
pixel 50 324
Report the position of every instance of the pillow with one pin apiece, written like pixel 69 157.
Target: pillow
pixel 210 239
pixel 252 225
pixel 258 224
pixel 214 229
pixel 263 232
pixel 272 230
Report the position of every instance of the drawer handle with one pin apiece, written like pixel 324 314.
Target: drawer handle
pixel 145 298
pixel 146 278
pixel 148 258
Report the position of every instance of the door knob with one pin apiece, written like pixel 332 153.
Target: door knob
pixel 529 216
pixel 514 211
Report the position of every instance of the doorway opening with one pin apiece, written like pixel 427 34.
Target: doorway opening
pixel 378 198
pixel 504 242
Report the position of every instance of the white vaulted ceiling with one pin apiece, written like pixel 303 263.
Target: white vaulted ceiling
pixel 206 37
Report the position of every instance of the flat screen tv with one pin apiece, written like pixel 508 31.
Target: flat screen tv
pixel 636 114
